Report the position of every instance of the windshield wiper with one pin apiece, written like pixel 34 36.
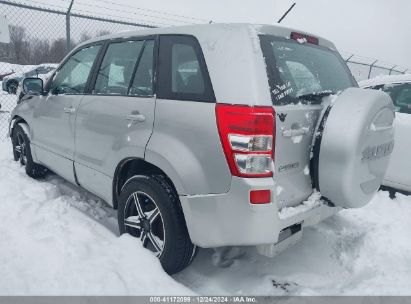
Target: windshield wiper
pixel 316 95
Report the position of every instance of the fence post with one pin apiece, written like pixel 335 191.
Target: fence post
pixel 371 66
pixel 348 59
pixel 392 69
pixel 68 38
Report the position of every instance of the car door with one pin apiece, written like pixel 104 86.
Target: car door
pixel 294 72
pixel 54 118
pixel 398 172
pixel 115 120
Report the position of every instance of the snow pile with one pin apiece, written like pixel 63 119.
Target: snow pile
pixel 312 202
pixel 363 251
pixel 57 239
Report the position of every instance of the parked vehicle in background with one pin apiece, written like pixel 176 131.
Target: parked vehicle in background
pixel 398 175
pixel 11 82
pixel 208 135
pixel 5 74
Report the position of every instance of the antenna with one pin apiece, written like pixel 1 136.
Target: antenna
pixel 286 13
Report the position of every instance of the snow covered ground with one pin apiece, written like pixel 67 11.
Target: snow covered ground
pixel 58 239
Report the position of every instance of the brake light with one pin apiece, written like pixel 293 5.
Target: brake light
pixel 247 137
pixel 304 38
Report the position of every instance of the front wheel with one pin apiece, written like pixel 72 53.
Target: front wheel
pixel 22 153
pixel 149 210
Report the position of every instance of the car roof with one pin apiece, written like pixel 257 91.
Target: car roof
pixel 199 30
pixel 239 79
pixel 388 79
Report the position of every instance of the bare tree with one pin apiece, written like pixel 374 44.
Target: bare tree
pixel 40 51
pixel 57 50
pixel 17 43
pixel 102 33
pixel 84 37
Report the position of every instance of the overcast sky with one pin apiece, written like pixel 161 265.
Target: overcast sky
pixel 373 28
pixel 378 29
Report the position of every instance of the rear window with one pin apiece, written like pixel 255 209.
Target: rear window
pixel 296 69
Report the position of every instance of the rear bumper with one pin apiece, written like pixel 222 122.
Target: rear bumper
pixel 229 219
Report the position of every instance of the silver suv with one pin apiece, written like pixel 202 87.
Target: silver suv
pixel 209 135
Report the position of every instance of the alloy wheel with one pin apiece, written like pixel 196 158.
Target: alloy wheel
pixel 20 148
pixel 143 220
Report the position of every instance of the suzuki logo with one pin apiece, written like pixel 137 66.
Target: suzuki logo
pixel 377 152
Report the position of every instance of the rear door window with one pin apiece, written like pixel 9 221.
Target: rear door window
pixel 116 70
pixel 295 69
pixel 143 81
pixel 183 74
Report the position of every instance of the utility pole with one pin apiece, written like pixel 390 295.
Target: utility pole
pixel 68 38
pixel 286 13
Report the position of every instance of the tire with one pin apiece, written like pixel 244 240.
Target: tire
pixel 163 220
pixel 12 87
pixel 353 147
pixel 22 153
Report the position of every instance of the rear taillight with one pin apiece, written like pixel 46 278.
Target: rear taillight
pixel 247 137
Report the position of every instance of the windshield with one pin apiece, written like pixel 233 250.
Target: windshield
pixel 296 70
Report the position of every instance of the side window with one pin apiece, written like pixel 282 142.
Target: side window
pixel 143 79
pixel 72 76
pixel 401 96
pixel 183 73
pixel 117 68
pixel 404 97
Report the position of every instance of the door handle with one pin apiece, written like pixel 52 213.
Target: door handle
pixel 136 117
pixel 295 132
pixel 69 110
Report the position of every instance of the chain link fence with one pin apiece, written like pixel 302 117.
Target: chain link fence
pixel 364 68
pixel 44 35
pixel 38 36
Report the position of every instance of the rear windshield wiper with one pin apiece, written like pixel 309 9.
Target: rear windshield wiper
pixel 315 95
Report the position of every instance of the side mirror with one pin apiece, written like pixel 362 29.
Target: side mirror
pixel 32 86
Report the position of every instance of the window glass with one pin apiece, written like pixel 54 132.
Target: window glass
pixel 186 75
pixel 304 79
pixel 117 68
pixel 296 69
pixel 400 95
pixel 183 74
pixel 143 79
pixel 72 77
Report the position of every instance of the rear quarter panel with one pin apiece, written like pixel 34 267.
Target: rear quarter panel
pixel 185 144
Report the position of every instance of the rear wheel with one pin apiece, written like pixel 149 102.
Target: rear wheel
pixel 149 210
pixel 12 87
pixel 22 153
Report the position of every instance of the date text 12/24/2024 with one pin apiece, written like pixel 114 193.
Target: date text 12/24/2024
pixel 203 299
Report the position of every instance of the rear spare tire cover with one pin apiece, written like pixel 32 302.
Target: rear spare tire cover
pixel 355 148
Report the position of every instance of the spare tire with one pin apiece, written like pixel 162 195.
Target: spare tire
pixel 352 151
